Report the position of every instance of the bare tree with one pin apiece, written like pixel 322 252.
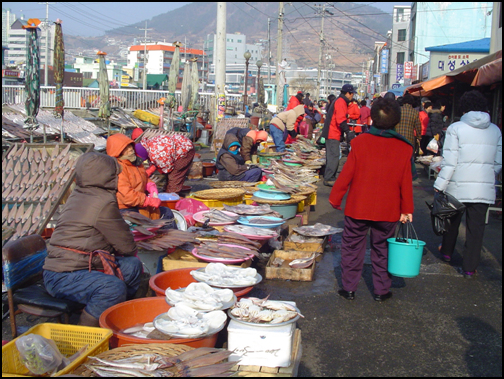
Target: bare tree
pixel 302 83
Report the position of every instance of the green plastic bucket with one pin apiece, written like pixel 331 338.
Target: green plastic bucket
pixel 287 211
pixel 404 259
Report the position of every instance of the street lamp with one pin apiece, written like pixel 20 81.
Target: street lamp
pixel 247 56
pixel 260 97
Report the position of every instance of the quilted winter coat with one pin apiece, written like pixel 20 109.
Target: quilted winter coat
pixel 472 156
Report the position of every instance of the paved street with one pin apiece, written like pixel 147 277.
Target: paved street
pixel 437 324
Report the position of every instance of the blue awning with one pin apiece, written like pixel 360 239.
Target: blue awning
pixel 476 46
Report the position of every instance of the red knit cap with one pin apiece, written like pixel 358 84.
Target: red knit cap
pixel 262 135
pixel 252 134
pixel 136 133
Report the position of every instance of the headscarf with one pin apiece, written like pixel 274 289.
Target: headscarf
pixel 235 152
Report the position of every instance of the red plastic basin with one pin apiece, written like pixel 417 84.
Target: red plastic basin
pixel 134 312
pixel 181 278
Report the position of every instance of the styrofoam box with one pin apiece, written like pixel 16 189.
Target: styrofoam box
pixel 269 346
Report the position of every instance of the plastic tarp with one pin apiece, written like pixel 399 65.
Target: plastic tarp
pixel 488 74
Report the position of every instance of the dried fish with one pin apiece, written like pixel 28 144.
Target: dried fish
pixel 33 168
pixel 12 214
pixel 47 177
pixel 41 167
pixel 19 230
pixel 36 214
pixel 9 167
pixel 13 152
pixel 277 262
pixel 245 209
pixel 17 182
pixel 262 221
pixel 18 194
pixel 48 166
pixel 25 169
pixel 55 152
pixel 46 209
pixel 17 168
pixel 19 213
pixel 9 180
pixel 24 154
pixel 5 213
pixel 33 227
pixel 63 161
pixel 45 195
pixel 36 155
pixel 25 194
pixel 30 155
pixel 317 230
pixel 66 177
pixel 6 194
pixel 40 191
pixel 250 230
pixel 54 177
pixel 44 154
pixel 304 262
pixel 38 181
pixel 27 214
pixel 65 151
pixel 217 216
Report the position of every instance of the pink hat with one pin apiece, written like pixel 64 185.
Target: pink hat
pixel 262 135
pixel 136 133
pixel 252 134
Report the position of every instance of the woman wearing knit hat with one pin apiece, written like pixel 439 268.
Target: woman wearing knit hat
pixel 249 140
pixel 231 165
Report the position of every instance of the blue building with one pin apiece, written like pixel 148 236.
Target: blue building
pixel 441 23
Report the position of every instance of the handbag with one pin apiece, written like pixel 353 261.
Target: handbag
pixel 443 208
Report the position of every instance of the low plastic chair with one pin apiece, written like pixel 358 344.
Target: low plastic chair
pixel 22 262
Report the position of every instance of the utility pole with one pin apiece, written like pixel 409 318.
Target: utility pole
pixel 47 27
pixel 269 52
pixel 320 50
pixel 220 62
pixel 279 86
pixel 144 81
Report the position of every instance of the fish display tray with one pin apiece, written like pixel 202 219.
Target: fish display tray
pixel 251 236
pixel 225 306
pixel 304 246
pixel 285 272
pixel 165 349
pixel 219 194
pixel 258 278
pixel 222 260
pixel 246 221
pixel 164 316
pixel 199 217
pixel 268 195
pixel 68 338
pixel 265 324
pixel 60 194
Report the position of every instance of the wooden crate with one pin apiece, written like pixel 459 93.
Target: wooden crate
pixel 184 259
pixel 264 371
pixel 285 272
pixel 308 246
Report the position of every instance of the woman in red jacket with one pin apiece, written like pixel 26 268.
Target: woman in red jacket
pixel 380 195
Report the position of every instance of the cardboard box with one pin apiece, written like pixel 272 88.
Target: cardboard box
pixel 184 259
pixel 285 272
pixel 307 246
pixel 260 345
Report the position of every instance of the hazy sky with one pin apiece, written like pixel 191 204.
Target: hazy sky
pixel 94 18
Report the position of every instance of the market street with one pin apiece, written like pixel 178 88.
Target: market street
pixel 437 324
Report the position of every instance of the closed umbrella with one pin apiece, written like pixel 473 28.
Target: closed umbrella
pixel 186 87
pixel 103 83
pixel 193 103
pixel 172 82
pixel 32 78
pixel 59 73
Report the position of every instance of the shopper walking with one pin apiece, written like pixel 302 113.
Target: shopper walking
pixel 472 157
pixel 409 126
pixel 337 128
pixel 365 116
pixel 380 193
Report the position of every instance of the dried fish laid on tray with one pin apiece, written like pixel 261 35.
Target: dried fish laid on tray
pixel 167 239
pixel 202 297
pixel 317 230
pixel 294 237
pixel 221 251
pixel 250 230
pixel 217 216
pixel 237 239
pixel 244 209
pixel 204 361
pixel 262 221
pixel 218 274
pixel 304 262
pixel 264 311
pixel 136 218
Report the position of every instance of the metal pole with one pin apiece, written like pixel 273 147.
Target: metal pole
pixel 279 87
pixel 144 79
pixel 320 50
pixel 269 53
pixel 245 93
pixel 46 64
pixel 220 62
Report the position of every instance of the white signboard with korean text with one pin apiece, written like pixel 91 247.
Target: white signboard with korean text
pixel 408 69
pixel 442 63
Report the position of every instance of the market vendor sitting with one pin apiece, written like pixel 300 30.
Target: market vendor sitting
pixel 134 183
pixel 232 166
pixel 89 230
pixel 171 155
pixel 249 140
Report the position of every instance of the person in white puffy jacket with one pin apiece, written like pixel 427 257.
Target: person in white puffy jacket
pixel 472 157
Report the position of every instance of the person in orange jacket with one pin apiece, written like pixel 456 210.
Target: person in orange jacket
pixel 294 101
pixel 354 117
pixel 135 191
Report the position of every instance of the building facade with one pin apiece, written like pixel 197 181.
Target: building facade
pixel 236 46
pixel 89 68
pixel 399 44
pixel 159 57
pixel 441 23
pixel 8 19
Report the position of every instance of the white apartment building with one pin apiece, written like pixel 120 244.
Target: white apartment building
pixel 8 19
pixel 18 44
pixel 399 43
pixel 90 67
pixel 236 46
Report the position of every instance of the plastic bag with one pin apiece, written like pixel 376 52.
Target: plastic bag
pixel 40 355
pixel 433 145
pixel 443 208
pixel 188 207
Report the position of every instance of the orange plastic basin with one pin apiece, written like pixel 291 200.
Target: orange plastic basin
pixel 181 278
pixel 134 312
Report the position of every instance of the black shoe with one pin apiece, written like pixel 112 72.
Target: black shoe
pixel 349 295
pixel 388 295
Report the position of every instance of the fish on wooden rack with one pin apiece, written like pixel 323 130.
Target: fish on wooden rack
pixel 27 214
pixel 24 154
pixel 55 152
pixel 36 156
pixel 44 154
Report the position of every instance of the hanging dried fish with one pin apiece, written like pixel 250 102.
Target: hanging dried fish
pixel 55 152
pixel 24 154
pixel 47 209
pixel 27 214
pixel 30 155
pixel 36 156
pixel 36 214
pixel 25 169
pixel 44 154
pixel 13 152
pixel 19 213
pixel 17 168
pixel 12 214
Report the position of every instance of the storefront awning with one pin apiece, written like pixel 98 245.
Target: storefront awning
pixel 465 74
pixel 488 74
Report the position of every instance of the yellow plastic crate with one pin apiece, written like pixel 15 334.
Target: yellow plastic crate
pixel 311 199
pixel 220 203
pixel 68 338
pixel 248 199
pixel 301 205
